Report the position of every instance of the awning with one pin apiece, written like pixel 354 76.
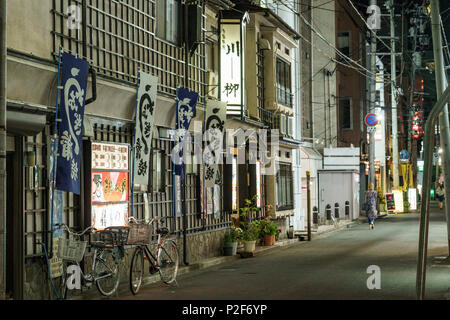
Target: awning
pixel 310 154
pixel 25 124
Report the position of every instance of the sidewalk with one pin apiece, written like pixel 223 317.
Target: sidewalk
pixel 322 231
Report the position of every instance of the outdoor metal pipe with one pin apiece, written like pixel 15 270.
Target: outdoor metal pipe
pixel 424 210
pixel 186 85
pixel 308 192
pixel 3 100
pixel 444 130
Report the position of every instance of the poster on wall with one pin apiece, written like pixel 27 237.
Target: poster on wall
pixel 107 215
pixel 145 119
pixel 109 184
pixel 107 156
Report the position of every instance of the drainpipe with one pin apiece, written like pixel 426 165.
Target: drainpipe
pixel 3 148
pixel 186 85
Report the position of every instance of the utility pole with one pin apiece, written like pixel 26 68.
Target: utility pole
pixel 2 149
pixel 394 101
pixel 411 95
pixel 441 85
pixel 373 80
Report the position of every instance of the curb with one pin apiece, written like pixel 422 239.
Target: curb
pixel 208 263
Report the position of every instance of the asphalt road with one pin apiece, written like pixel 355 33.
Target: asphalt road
pixel 333 267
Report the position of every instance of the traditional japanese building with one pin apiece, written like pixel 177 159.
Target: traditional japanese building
pixel 118 39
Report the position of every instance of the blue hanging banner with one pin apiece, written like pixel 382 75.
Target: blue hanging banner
pixel 186 109
pixel 74 82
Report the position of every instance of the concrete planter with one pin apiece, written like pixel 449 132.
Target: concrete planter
pixel 249 246
pixel 230 248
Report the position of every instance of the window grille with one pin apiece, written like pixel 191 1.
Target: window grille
pixel 120 40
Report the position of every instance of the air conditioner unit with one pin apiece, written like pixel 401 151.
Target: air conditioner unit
pixel 290 127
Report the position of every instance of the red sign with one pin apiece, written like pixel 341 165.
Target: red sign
pixel 109 186
pixel 371 120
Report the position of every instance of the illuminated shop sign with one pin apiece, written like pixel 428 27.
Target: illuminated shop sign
pixel 109 184
pixel 231 61
pixel 412 199
pixel 398 199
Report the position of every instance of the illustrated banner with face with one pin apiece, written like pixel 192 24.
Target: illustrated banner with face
pixel 74 81
pixel 145 119
pixel 214 128
pixel 186 111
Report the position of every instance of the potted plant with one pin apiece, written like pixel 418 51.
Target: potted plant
pixel 250 235
pixel 269 231
pixel 231 238
pixel 248 212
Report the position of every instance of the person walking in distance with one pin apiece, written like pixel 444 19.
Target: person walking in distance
pixel 371 199
pixel 440 195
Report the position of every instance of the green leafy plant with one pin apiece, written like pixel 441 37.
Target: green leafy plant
pixel 268 227
pixel 252 232
pixel 246 212
pixel 233 235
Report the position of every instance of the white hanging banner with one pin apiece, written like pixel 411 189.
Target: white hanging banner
pixel 145 119
pixel 216 113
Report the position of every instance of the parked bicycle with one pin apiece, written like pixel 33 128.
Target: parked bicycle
pixel 106 258
pixel 163 260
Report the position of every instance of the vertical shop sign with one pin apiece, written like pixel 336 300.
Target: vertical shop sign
pixel 214 128
pixel 74 81
pixel 109 184
pixel 145 119
pixel 231 60
pixel 185 112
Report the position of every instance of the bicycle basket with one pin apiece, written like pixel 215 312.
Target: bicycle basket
pixel 71 250
pixel 115 236
pixel 139 233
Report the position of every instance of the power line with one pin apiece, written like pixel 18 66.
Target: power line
pixel 345 57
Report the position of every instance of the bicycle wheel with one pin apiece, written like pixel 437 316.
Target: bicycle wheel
pixel 136 270
pixel 168 261
pixel 106 272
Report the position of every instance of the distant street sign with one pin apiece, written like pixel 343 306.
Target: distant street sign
pixel 371 120
pixel 404 154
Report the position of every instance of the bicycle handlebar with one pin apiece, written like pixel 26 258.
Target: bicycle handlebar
pixel 77 234
pixel 157 219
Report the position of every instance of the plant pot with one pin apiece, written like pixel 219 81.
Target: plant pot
pixel 269 239
pixel 230 248
pixel 249 246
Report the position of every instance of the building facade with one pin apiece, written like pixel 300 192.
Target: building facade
pixel 119 39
